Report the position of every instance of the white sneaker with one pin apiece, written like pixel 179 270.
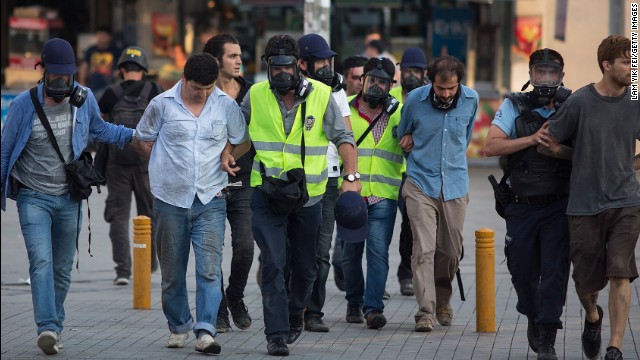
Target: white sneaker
pixel 121 281
pixel 207 344
pixel 177 340
pixel 48 342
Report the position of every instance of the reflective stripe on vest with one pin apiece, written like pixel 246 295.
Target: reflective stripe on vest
pixel 380 165
pixel 280 153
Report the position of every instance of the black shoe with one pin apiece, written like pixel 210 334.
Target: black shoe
pixel 375 320
pixel 406 287
pixel 315 324
pixel 354 314
pixel 277 347
pixel 222 322
pixel 533 335
pixel 295 328
pixel 240 314
pixel 613 354
pixel 339 279
pixel 547 338
pixel 591 337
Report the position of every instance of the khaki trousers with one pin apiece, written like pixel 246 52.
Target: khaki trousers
pixel 437 244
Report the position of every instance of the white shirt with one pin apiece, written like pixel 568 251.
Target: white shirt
pixel 333 163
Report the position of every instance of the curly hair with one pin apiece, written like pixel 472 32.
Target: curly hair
pixel 201 68
pixel 613 47
pixel 387 66
pixel 278 43
pixel 215 44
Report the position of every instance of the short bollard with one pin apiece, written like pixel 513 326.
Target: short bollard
pixel 485 281
pixel 142 262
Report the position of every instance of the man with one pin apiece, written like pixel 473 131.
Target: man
pixel 435 130
pixel 374 46
pixel 603 124
pixel 537 239
pixel 352 68
pixel 375 119
pixel 98 68
pixel 413 71
pixel 277 126
pixel 317 64
pixel 126 169
pixel 226 49
pixel 191 131
pixel 34 176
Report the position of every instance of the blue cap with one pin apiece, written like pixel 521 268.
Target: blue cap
pixel 413 57
pixel 58 57
pixel 316 46
pixel 352 217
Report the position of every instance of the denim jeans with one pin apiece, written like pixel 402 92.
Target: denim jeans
pixel 319 294
pixel 382 217
pixel 239 216
pixel 271 231
pixel 176 229
pixel 49 225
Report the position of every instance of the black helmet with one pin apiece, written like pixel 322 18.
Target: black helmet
pixel 136 55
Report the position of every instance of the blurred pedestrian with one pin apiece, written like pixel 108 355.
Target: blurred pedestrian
pixel 98 68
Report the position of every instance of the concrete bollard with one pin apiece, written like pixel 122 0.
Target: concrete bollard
pixel 142 262
pixel 485 281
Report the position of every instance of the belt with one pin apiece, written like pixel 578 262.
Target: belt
pixel 535 200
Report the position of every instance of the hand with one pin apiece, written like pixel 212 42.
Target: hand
pixel 406 143
pixel 542 136
pixel 351 186
pixel 228 164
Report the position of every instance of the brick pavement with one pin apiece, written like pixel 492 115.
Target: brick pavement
pixel 101 323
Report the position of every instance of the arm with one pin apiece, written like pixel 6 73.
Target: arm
pixel 349 156
pixel 230 154
pixel 405 127
pixel 636 162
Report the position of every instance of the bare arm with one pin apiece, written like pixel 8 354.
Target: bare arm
pixel 229 155
pixel 636 162
pixel 143 147
pixel 498 143
pixel 349 156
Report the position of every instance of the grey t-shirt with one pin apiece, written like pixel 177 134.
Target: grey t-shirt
pixel 39 167
pixel 603 131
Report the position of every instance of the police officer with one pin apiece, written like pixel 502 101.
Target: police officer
pixel 282 113
pixel 537 239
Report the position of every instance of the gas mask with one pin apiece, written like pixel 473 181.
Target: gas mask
pixel 62 86
pixel 546 77
pixel 411 82
pixel 376 86
pixel 279 78
pixel 324 74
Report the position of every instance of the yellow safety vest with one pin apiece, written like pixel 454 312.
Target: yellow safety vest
pixel 280 153
pixel 396 92
pixel 380 165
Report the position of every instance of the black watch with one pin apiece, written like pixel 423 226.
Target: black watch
pixel 352 177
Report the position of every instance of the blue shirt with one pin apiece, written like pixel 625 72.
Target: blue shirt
pixel 507 113
pixel 438 161
pixel 185 159
pixel 19 124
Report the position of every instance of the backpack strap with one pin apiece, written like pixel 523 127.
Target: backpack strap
pixel 146 90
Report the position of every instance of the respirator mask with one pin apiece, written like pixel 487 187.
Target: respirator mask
pixel 283 73
pixel 376 86
pixel 58 87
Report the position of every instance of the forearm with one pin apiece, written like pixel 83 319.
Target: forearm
pixel 349 157
pixel 557 151
pixel 503 146
pixel 236 151
pixel 636 162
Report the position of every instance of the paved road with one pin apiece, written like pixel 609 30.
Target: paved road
pixel 101 323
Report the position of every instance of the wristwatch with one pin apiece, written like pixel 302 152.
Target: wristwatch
pixel 352 177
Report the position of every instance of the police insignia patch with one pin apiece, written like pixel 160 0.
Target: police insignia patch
pixel 308 122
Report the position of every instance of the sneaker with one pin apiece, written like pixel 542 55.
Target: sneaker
pixel 240 314
pixel 375 319
pixel 591 337
pixel 222 322
pixel 121 281
pixel 277 347
pixel 354 314
pixel 338 277
pixel 444 315
pixel 424 323
pixel 533 334
pixel 546 350
pixel 207 344
pixel 613 353
pixel 48 342
pixel 386 295
pixel 315 324
pixel 406 287
pixel 177 340
pixel 59 343
pixel 296 323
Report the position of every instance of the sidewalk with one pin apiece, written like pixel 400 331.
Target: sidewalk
pixel 101 323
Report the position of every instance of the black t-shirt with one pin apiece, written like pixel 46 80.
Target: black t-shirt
pixel 245 162
pixel 109 98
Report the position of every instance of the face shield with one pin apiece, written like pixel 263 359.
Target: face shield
pixel 545 76
pixel 283 73
pixel 376 86
pixel 58 87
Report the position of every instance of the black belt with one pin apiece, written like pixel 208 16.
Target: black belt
pixel 535 200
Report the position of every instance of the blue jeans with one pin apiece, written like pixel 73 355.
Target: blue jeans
pixel 49 225
pixel 271 230
pixel 175 229
pixel 319 294
pixel 382 218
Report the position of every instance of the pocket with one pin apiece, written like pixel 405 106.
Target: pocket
pixel 461 123
pixel 216 130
